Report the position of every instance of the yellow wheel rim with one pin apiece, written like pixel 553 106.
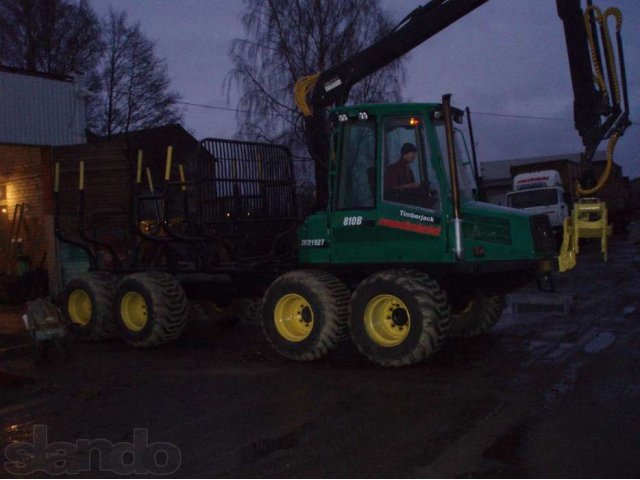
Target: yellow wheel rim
pixel 79 307
pixel 133 310
pixel 387 320
pixel 293 317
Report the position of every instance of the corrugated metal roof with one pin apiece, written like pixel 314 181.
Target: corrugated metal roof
pixel 36 110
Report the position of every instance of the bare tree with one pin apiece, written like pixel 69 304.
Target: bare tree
pixel 54 36
pixel 134 83
pixel 288 39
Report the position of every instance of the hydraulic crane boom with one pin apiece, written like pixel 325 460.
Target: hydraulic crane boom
pixel 331 87
pixel 424 22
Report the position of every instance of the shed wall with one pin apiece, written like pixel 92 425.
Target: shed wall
pixel 41 111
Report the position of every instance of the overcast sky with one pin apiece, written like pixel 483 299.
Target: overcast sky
pixel 507 57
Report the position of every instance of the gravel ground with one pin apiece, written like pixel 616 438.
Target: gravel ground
pixel 544 395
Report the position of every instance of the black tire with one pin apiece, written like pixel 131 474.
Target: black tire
pixel 99 288
pixel 248 311
pixel 428 317
pixel 328 300
pixel 165 305
pixel 476 316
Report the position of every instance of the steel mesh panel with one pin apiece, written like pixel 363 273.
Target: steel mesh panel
pixel 247 194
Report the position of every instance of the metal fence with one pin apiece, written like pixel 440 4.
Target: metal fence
pixel 247 194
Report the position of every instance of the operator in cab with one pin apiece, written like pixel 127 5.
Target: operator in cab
pixel 400 183
pixel 399 175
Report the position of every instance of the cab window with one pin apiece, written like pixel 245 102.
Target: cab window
pixel 357 167
pixel 409 177
pixel 466 176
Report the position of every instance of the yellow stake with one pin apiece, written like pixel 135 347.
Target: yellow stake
pixel 167 170
pixel 56 178
pixel 150 180
pixel 81 183
pixel 182 177
pixel 139 170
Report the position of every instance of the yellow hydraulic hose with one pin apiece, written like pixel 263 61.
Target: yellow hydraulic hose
pixel 300 92
pixel 597 68
pixel 602 19
pixel 610 57
pixel 607 169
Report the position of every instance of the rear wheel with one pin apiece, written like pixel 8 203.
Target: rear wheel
pixel 151 308
pixel 305 313
pixel 477 315
pixel 399 317
pixel 87 303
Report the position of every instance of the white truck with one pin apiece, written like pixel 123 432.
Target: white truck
pixel 540 192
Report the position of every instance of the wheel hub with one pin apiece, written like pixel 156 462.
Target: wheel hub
pixel 387 320
pixel 400 317
pixel 79 307
pixel 293 317
pixel 134 311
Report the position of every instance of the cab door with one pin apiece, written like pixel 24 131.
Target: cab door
pixel 352 217
pixel 382 210
pixel 411 222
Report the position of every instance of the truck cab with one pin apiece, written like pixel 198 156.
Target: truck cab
pixel 540 192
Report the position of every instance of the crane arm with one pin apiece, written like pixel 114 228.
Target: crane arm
pixel 596 116
pixel 601 112
pixel 333 85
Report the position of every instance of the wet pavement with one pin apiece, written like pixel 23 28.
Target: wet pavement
pixel 544 395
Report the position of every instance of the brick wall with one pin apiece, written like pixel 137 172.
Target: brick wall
pixel 24 172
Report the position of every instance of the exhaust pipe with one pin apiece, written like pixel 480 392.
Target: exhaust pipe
pixel 453 170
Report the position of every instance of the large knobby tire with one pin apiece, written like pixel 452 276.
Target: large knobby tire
pixel 151 309
pixel 87 305
pixel 305 313
pixel 476 316
pixel 399 317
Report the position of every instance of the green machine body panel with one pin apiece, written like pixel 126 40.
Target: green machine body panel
pixel 366 224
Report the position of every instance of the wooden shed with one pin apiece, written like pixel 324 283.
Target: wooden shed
pixel 26 178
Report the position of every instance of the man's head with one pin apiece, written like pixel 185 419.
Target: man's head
pixel 408 152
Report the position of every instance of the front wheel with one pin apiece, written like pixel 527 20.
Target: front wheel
pixel 304 314
pixel 399 317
